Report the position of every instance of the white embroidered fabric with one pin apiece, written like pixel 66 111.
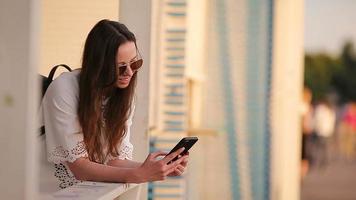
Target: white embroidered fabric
pixel 60 154
pixel 64 139
pixel 125 152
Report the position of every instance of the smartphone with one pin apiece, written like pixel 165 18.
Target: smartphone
pixel 187 143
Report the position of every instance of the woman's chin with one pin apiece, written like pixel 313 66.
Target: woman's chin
pixel 122 85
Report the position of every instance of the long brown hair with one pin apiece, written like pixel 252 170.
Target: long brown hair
pixel 104 129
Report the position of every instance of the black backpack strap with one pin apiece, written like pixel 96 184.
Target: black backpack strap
pixel 45 83
pixel 53 70
pixel 42 130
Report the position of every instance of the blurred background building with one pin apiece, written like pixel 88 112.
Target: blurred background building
pixel 212 77
pixel 228 71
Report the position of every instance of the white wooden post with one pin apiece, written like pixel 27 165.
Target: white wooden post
pixel 136 15
pixel 286 98
pixel 18 98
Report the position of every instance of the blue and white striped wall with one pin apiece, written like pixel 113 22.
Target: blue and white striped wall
pixel 237 90
pixel 171 91
pixel 235 102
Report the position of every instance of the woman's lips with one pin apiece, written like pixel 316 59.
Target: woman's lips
pixel 124 80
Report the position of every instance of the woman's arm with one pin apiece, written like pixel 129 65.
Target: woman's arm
pixel 150 170
pixel 124 163
pixel 86 170
pixel 133 164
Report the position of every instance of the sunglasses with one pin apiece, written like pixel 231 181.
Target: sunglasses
pixel 134 65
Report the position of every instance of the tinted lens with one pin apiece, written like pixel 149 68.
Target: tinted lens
pixel 136 65
pixel 122 69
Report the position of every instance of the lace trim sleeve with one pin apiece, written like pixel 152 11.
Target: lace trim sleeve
pixel 125 152
pixel 61 154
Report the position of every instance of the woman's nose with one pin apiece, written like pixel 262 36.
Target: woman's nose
pixel 128 71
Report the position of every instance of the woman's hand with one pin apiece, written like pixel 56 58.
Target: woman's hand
pixel 179 170
pixel 155 170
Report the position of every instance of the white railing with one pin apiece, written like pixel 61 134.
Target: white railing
pixel 96 191
pixel 86 190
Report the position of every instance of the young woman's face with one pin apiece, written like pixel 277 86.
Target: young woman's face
pixel 126 54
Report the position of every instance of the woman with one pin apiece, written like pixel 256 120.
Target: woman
pixel 87 114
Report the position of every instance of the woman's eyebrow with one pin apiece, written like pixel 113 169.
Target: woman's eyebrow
pixel 130 60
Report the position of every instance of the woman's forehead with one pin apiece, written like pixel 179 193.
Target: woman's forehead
pixel 126 52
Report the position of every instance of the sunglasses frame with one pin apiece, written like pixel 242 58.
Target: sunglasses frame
pixel 129 65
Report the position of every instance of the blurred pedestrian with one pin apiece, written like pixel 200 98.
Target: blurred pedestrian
pixel 307 130
pixel 324 127
pixel 347 132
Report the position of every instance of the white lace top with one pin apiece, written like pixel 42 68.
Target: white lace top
pixel 63 137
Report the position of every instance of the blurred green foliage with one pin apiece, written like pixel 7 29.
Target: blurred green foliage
pixel 324 74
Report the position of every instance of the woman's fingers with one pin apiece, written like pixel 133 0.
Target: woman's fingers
pixel 162 169
pixel 171 156
pixel 185 162
pixel 178 172
pixel 157 154
pixel 181 168
pixel 177 162
pixel 171 171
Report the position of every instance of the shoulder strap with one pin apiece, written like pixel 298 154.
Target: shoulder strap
pixel 45 83
pixel 53 70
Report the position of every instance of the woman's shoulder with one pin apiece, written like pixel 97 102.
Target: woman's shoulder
pixel 65 87
pixel 67 78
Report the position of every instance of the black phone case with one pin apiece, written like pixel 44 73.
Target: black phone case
pixel 187 143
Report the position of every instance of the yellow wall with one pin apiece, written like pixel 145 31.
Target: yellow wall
pixel 64 27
